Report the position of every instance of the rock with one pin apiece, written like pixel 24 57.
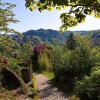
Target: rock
pixel 26 74
pixel 9 79
pixel 30 94
pixel 20 90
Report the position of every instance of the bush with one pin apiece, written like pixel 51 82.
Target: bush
pixel 56 60
pixel 72 65
pixel 13 64
pixel 89 87
pixel 44 62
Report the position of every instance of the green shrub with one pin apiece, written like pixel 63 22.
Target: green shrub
pixel 73 65
pixel 13 64
pixel 56 60
pixel 44 62
pixel 89 87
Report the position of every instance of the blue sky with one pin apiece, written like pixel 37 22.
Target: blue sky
pixel 47 20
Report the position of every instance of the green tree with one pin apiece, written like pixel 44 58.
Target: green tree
pixel 56 59
pixel 6 17
pixel 8 46
pixel 78 9
pixel 24 52
pixel 72 65
pixel 34 58
pixel 71 42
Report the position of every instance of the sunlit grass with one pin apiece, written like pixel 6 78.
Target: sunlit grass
pixel 36 93
pixel 49 74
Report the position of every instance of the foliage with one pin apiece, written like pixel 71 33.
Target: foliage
pixel 49 74
pixel 71 43
pixel 13 64
pixel 24 52
pixel 42 35
pixel 84 48
pixel 56 60
pixel 8 49
pixel 96 37
pixel 89 87
pixel 8 46
pixel 71 65
pixel 78 9
pixel 34 58
pixel 6 17
pixel 41 57
pixel 12 49
pixel 44 62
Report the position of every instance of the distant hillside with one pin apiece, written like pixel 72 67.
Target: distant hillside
pixel 53 35
pixel 47 35
pixel 96 37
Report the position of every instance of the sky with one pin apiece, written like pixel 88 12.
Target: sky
pixel 46 20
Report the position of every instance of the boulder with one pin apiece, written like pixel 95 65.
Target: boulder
pixel 26 74
pixel 12 80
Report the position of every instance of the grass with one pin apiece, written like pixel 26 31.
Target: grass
pixel 49 74
pixel 36 94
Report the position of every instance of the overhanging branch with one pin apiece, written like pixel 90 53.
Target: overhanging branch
pixel 84 5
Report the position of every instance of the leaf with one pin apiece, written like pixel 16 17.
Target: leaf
pixel 58 8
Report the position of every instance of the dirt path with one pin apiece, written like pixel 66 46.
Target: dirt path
pixel 47 92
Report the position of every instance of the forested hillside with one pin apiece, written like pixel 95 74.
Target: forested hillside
pixel 54 35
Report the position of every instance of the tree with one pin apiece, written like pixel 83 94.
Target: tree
pixel 8 46
pixel 78 9
pixel 24 52
pixel 71 42
pixel 6 17
pixel 34 58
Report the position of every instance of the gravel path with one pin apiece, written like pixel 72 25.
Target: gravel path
pixel 47 92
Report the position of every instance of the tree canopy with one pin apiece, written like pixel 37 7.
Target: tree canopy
pixel 78 9
pixel 7 16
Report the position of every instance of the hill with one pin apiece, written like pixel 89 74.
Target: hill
pixel 54 35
